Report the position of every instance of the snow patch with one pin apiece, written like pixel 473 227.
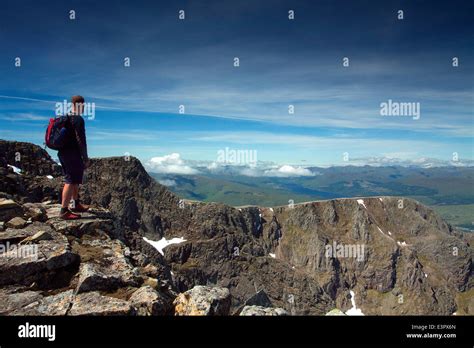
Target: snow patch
pixel 49 177
pixel 385 234
pixel 390 233
pixel 354 310
pixel 16 170
pixel 361 202
pixel 402 243
pixel 272 255
pixel 163 243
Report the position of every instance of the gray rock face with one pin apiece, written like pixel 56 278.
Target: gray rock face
pixel 262 311
pixel 203 301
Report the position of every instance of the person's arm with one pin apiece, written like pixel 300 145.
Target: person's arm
pixel 80 131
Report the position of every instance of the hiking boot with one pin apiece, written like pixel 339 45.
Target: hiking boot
pixel 69 215
pixel 80 208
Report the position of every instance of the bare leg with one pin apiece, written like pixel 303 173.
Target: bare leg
pixel 76 192
pixel 68 192
pixel 78 206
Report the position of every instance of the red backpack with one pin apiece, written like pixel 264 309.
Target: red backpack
pixel 57 132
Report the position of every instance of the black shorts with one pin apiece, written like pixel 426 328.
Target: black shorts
pixel 72 165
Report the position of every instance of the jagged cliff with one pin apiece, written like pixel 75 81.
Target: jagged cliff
pixel 394 254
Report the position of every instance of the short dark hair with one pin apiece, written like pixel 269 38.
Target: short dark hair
pixel 77 99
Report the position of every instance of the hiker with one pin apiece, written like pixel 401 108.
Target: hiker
pixel 74 159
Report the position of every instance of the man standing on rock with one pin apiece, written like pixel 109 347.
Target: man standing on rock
pixel 74 159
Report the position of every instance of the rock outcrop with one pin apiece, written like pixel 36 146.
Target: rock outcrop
pixel 203 301
pixel 262 311
pixel 394 254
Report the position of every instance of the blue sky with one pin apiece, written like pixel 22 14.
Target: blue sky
pixel 190 62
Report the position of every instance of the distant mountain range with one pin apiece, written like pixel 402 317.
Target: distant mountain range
pixel 447 188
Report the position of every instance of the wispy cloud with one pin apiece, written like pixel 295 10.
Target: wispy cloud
pixel 23 117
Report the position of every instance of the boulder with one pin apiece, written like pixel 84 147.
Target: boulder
pixel 7 204
pixel 13 299
pixel 93 303
pixel 262 311
pixel 113 274
pixel 35 211
pixel 37 237
pixel 203 301
pixel 148 301
pixel 9 209
pixel 259 299
pixel 88 224
pixel 58 304
pixel 335 311
pixel 104 265
pixel 13 236
pixel 24 264
pixel 16 222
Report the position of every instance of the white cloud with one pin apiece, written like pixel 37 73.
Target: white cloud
pixel 287 170
pixel 170 164
pixel 261 168
pixel 174 164
pixel 167 182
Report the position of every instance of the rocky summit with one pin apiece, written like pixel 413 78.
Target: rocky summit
pixel 141 250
